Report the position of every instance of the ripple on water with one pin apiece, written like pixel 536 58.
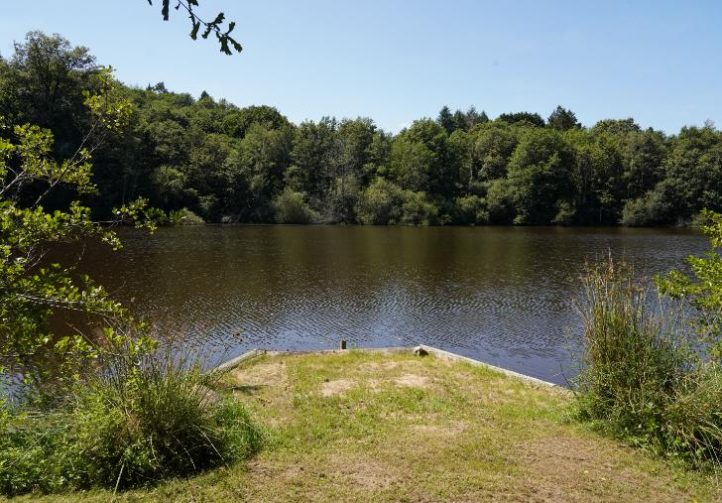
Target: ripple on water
pixel 504 295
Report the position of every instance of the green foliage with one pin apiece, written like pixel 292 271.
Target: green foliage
pixel 615 126
pixel 539 176
pixel 563 119
pixel 30 290
pixel 184 216
pixel 701 287
pixel 291 208
pixel 43 83
pixel 492 146
pixel 418 210
pixel 421 159
pixel 632 361
pixel 471 210
pixel 385 203
pixel 499 202
pixel 237 122
pixel 528 118
pixel 134 422
pixel 649 377
pixel 693 421
pixel 459 120
pixel 223 34
pixel 380 203
pixel 650 209
pixel 693 171
pixel 228 164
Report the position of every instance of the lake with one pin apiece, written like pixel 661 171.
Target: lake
pixel 504 295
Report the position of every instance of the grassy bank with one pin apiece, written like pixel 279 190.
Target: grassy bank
pixel 377 427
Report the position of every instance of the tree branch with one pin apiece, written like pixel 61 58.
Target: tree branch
pixel 227 43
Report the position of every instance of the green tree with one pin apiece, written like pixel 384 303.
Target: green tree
pixel 44 83
pixel 417 209
pixel 237 122
pixel 539 178
pixel 532 119
pixel 642 155
pixel 445 119
pixel 290 207
pixel 470 210
pixel 170 184
pixel 380 203
pixel 263 157
pixel 491 148
pixel 422 161
pixel 313 160
pixel 596 177
pixel 562 119
pixel 693 171
pixel 701 286
pixel 30 290
pixel 473 118
pixel 352 168
pixel 616 126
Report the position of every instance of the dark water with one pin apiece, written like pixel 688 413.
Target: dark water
pixel 502 295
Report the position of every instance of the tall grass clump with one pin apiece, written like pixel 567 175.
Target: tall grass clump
pixel 138 420
pixel 693 420
pixel 649 375
pixel 633 361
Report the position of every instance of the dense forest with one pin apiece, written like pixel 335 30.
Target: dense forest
pixel 223 163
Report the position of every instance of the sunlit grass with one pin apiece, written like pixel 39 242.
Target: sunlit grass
pixel 394 427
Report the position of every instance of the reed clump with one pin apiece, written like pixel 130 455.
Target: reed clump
pixel 645 376
pixel 135 421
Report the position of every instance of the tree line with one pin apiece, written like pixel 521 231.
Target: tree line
pixel 229 164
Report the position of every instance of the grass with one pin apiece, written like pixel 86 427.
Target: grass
pixel 644 379
pixel 133 423
pixel 634 358
pixel 362 426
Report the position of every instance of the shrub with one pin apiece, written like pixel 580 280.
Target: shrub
pixel 418 210
pixel 651 209
pixel 380 203
pixel 500 209
pixel 470 210
pixel 132 424
pixel 290 207
pixel 565 213
pixel 184 216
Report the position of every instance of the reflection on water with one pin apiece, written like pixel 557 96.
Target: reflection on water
pixel 502 295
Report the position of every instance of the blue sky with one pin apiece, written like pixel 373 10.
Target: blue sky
pixel 398 60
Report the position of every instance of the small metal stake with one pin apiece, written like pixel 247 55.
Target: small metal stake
pixel 342 345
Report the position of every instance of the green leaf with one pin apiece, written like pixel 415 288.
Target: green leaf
pixel 194 31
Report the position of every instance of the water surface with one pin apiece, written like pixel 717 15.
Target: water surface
pixel 503 295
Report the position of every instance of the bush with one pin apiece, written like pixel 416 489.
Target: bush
pixel 184 216
pixel 131 425
pixel 380 203
pixel 418 210
pixel 650 209
pixel 385 203
pixel 470 210
pixel 565 213
pixel 290 207
pixel 500 209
